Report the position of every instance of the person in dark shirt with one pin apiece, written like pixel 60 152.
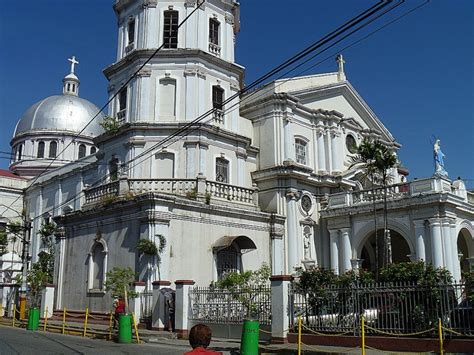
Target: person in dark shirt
pixel 199 339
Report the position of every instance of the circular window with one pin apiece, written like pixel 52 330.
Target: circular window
pixel 351 144
pixel 306 203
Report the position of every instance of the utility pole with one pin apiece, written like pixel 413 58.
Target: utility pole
pixel 24 257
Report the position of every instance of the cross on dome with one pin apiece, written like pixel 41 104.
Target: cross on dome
pixel 73 62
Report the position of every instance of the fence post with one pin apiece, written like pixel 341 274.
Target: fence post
pixel 135 303
pixel 110 325
pixel 280 285
pixel 299 335
pixel 64 320
pixel 440 332
pixel 45 319
pixel 158 316
pixel 85 322
pixel 362 324
pixel 182 306
pixel 47 299
pixel 14 315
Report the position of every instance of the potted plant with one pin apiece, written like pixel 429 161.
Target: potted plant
pixel 118 282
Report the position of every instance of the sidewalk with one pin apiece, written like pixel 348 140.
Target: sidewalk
pixel 227 346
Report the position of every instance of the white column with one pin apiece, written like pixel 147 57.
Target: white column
pixel 61 250
pixel 278 264
pixel 135 303
pixel 456 261
pixel 182 306
pixel 280 305
pixel 436 243
pixel 347 250
pixel 315 149
pixel 448 246
pixel 191 87
pixel 328 145
pixel 335 151
pixel 334 250
pixel 158 316
pixel 241 157
pixel 292 238
pixel 47 301
pixel 190 160
pixel 419 227
pixel 321 151
pixel 203 147
pixel 287 142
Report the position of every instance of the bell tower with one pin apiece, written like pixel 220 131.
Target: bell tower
pixel 194 70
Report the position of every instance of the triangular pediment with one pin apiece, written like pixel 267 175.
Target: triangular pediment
pixel 340 96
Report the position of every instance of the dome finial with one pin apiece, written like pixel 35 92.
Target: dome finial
pixel 73 62
pixel 71 81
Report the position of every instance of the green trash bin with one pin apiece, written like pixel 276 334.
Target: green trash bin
pixel 33 319
pixel 249 340
pixel 125 329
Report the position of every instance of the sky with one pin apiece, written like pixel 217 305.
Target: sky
pixel 417 74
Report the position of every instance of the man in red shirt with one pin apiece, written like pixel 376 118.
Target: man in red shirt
pixel 199 339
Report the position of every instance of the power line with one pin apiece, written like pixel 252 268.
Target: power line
pixel 191 124
pixel 200 3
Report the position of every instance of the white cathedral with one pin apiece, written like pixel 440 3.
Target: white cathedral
pixel 267 178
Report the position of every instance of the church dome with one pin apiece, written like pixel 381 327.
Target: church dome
pixel 66 112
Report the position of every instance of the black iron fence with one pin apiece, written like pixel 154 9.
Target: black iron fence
pixel 223 306
pixel 388 308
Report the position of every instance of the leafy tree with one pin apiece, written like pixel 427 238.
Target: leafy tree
pixel 119 282
pixel 39 276
pixel 246 286
pixel 3 242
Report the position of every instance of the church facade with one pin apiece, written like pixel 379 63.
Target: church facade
pixel 263 178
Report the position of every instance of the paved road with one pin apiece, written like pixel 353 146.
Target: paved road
pixel 15 341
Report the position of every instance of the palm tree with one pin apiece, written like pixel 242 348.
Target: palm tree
pixel 385 161
pixel 376 160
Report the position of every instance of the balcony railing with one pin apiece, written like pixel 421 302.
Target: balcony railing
pixel 99 193
pixel 394 192
pixel 197 189
pixel 218 116
pixel 214 49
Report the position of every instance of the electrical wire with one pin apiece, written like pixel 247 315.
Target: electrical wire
pixel 192 123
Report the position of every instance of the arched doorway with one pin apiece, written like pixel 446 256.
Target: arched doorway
pixel 400 250
pixel 465 250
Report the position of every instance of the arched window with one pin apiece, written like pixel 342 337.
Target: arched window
pixel 300 151
pixel 222 170
pixel 53 149
pixel 82 151
pixel 170 29
pixel 40 153
pixel 97 265
pixel 93 150
pixel 228 260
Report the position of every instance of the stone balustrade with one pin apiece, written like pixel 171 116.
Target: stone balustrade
pixel 393 192
pixel 96 194
pixel 197 189
pixel 168 186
